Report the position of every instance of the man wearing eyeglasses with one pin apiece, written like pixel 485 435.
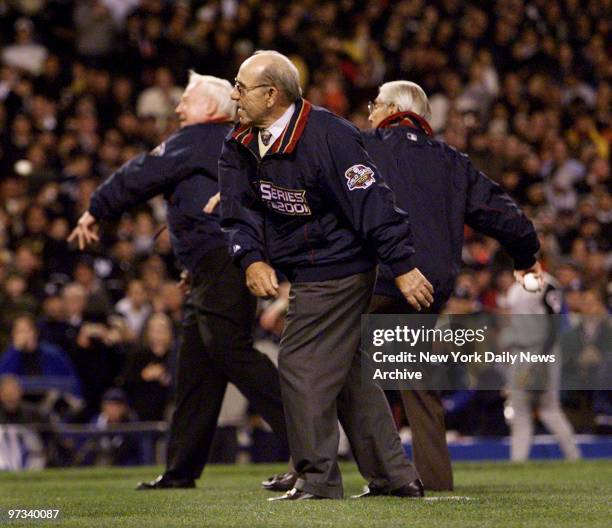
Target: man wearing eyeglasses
pixel 217 345
pixel 441 191
pixel 300 195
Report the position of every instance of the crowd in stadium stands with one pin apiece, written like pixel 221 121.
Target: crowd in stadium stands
pixel 522 86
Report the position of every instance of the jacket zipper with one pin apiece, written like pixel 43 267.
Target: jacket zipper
pixel 259 162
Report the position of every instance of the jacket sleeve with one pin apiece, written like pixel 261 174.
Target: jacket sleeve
pixel 491 211
pixel 366 201
pixel 241 214
pixel 145 176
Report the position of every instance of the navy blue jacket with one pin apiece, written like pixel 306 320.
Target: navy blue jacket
pixel 184 169
pixel 54 363
pixel 315 207
pixel 441 191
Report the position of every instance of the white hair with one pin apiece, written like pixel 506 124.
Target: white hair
pixel 218 89
pixel 282 73
pixel 407 96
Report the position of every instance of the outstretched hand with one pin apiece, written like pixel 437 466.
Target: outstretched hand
pixel 84 232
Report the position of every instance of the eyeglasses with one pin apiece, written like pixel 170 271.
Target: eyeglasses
pixel 373 105
pixel 242 89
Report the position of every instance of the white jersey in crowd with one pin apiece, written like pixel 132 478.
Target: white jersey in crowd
pixel 525 332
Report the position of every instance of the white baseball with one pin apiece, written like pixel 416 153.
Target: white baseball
pixel 531 282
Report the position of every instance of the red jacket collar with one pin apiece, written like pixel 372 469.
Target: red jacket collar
pixel 221 119
pixel 286 142
pixel 407 119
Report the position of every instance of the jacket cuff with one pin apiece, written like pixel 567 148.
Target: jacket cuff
pixel 524 262
pixel 249 258
pixel 401 266
pixel 524 250
pixel 94 211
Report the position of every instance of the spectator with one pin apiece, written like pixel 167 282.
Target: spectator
pixel 95 29
pixel 148 372
pixel 15 299
pixel 135 307
pixel 30 265
pixel 170 301
pixel 584 348
pixel 114 448
pixel 24 53
pixel 26 450
pixel 27 356
pixel 13 408
pixel 160 100
pixel 53 326
pixel 98 300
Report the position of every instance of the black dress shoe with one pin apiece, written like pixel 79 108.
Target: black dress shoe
pixel 281 482
pixel 412 490
pixel 163 482
pixel 296 494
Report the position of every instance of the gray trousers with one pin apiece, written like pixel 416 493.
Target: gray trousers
pixel 424 411
pixel 548 404
pixel 320 374
pixel 551 415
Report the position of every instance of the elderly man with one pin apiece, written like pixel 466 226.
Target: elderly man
pixel 441 191
pixel 299 194
pixel 219 313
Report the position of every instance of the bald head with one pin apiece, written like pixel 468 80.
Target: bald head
pixel 267 83
pixel 275 69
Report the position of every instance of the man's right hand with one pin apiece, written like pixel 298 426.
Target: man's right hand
pixel 84 232
pixel 417 290
pixel 261 280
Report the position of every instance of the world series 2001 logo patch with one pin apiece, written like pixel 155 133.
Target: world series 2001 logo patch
pixel 359 177
pixel 285 201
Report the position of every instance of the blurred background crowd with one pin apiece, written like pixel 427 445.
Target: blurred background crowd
pixel 522 86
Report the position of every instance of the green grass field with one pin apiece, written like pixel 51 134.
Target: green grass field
pixel 550 494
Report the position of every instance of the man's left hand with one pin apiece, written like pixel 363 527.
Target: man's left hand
pixel 415 287
pixel 536 269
